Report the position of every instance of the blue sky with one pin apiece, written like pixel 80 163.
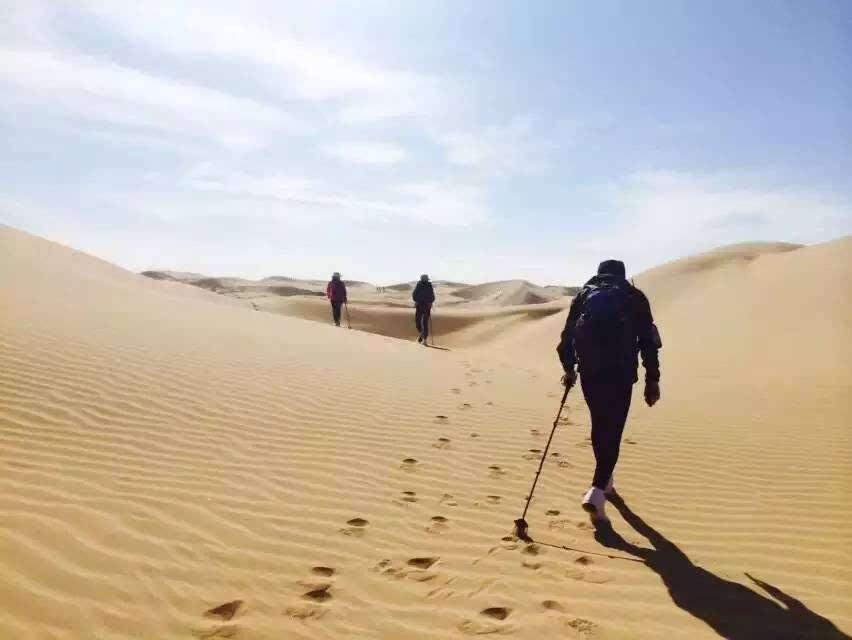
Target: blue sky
pixel 471 140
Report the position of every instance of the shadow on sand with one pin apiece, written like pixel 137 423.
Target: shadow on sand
pixel 733 610
pixel 432 346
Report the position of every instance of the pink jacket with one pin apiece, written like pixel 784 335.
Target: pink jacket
pixel 336 291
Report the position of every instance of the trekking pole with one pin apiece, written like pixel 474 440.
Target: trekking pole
pixel 348 321
pixel 521 525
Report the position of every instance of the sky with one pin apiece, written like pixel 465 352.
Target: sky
pixel 474 141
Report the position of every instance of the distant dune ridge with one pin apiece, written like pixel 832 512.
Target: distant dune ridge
pixel 178 463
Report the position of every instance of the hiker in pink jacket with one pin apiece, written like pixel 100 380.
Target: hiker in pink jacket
pixel 336 293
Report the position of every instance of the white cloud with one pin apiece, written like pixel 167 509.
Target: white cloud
pixel 513 147
pixel 293 66
pixel 94 90
pixel 370 153
pixel 209 191
pixel 657 215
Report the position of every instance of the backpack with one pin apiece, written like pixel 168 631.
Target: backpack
pixel 337 290
pixel 604 335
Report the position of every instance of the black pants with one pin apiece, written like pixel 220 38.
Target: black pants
pixel 608 397
pixel 422 312
pixel 335 311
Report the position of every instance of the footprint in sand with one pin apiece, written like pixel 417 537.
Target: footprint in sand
pixel 449 500
pixel 474 435
pixel 532 550
pixel 222 613
pixel 629 441
pixel 416 569
pixel 564 464
pixel 496 471
pixel 581 625
pixel 508 542
pixel 552 512
pixel 438 526
pixel 493 499
pixel 386 568
pixel 320 594
pixel 408 496
pixel 465 406
pixel 311 606
pixel 225 611
pixel 357 527
pixel 442 443
pixel 498 613
pixel 422 563
pixel 441 420
pixel 455 390
pixel 489 403
pixel 534 454
pixel 535 433
pixel 409 464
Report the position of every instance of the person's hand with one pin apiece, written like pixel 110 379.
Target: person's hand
pixel 652 393
pixel 569 378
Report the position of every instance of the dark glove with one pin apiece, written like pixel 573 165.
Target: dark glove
pixel 569 379
pixel 652 393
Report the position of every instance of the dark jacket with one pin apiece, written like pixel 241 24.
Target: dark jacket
pixel 647 337
pixel 336 291
pixel 423 293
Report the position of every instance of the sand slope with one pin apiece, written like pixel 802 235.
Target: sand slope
pixel 166 452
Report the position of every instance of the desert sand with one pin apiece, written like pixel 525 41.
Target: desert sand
pixel 181 463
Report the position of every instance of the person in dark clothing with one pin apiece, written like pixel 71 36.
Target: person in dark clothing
pixel 336 293
pixel 424 297
pixel 609 325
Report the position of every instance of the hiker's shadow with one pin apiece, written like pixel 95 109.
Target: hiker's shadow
pixel 733 610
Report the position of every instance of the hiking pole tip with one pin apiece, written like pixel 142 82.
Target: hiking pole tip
pixel 521 530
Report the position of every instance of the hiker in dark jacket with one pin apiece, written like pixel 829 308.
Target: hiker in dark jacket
pixel 608 327
pixel 336 293
pixel 424 297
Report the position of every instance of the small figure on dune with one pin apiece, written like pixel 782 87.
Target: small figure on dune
pixel 335 291
pixel 424 297
pixel 608 326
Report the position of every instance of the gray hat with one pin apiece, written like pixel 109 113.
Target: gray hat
pixel 424 278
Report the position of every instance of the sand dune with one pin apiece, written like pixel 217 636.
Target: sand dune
pixel 492 294
pixel 177 464
pixel 511 292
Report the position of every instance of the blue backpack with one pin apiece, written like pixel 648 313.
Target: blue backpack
pixel 604 335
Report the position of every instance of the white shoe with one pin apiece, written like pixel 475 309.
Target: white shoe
pixel 610 486
pixel 594 503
